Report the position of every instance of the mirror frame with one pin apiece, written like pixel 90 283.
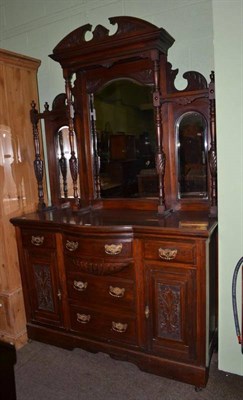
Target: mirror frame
pixel 136 51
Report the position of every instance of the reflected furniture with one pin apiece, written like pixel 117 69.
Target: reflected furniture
pixel 125 263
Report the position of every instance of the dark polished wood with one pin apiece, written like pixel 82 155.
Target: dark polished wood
pixel 131 283
pixel 136 276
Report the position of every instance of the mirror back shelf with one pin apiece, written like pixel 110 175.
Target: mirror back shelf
pixel 120 124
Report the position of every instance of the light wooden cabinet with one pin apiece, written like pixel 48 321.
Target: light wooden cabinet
pixel 18 86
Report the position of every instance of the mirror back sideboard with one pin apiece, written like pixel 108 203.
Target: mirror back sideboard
pixel 125 259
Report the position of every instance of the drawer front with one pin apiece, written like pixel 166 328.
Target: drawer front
pixel 170 251
pixel 119 328
pixel 122 268
pixel 108 291
pixel 112 249
pixel 35 238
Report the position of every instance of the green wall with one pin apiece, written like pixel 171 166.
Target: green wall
pixel 228 35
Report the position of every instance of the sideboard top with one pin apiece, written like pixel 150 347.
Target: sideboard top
pixel 127 221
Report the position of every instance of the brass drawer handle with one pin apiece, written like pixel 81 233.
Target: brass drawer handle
pixel 167 254
pixel 83 318
pixel 37 240
pixel 71 246
pixel 116 291
pixel 119 327
pixel 80 286
pixel 113 249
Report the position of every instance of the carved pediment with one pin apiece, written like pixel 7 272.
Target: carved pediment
pixel 195 80
pixel 133 31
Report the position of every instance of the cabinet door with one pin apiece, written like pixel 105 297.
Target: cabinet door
pixel 43 288
pixel 171 312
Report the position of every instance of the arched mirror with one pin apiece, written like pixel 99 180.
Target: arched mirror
pixel 126 140
pixel 192 156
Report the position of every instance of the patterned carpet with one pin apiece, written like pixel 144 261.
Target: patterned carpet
pixel 46 372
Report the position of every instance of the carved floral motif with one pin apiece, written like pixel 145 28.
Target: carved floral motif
pixel 169 313
pixel 98 268
pixel 42 276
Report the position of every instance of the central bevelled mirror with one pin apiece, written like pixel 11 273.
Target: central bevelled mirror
pixel 126 140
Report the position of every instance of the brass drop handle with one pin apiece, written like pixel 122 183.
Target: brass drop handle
pixel 116 291
pixel 37 240
pixel 167 254
pixel 71 246
pixel 119 327
pixel 83 318
pixel 80 286
pixel 113 249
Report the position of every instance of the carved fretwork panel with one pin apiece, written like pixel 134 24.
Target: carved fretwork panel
pixel 169 312
pixel 172 302
pixel 45 294
pixel 98 268
pixel 43 286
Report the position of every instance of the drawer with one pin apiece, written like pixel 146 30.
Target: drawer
pixel 109 248
pixel 102 326
pixel 108 291
pixel 34 238
pixel 170 251
pixel 122 268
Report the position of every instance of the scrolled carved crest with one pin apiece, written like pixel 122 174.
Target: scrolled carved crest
pixel 126 26
pixel 74 38
pixel 59 102
pixel 195 80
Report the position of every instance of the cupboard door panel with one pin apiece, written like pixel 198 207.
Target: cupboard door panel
pixel 172 302
pixel 43 287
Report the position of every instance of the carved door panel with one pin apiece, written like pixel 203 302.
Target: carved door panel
pixel 171 312
pixel 43 287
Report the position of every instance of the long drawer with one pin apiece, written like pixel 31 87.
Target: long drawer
pixel 112 326
pixel 105 248
pixel 106 291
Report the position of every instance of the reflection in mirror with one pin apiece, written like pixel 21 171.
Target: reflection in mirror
pixel 192 154
pixel 126 140
pixel 63 155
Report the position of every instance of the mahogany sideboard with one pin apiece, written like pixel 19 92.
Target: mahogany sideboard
pixel 117 264
pixel 136 285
